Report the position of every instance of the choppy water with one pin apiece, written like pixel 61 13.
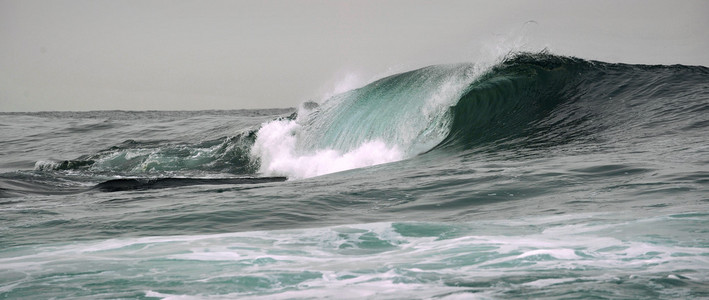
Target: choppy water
pixel 540 177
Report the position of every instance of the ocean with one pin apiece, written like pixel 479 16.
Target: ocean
pixel 534 176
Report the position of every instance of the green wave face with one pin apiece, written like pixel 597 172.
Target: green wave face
pixel 407 110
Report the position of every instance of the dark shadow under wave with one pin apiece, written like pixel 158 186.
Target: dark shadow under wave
pixel 16 188
pixel 129 184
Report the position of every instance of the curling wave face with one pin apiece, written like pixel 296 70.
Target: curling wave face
pixel 388 120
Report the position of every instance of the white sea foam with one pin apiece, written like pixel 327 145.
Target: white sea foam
pixel 556 253
pixel 377 260
pixel 44 165
pixel 276 147
pixel 164 296
pixel 547 282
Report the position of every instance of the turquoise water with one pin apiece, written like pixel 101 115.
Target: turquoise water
pixel 540 177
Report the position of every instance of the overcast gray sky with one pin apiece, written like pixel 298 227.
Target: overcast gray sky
pixel 188 55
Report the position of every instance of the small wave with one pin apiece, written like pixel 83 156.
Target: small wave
pixel 228 154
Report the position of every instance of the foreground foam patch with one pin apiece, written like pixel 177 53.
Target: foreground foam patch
pixel 401 260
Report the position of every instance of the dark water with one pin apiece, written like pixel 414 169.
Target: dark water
pixel 539 177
